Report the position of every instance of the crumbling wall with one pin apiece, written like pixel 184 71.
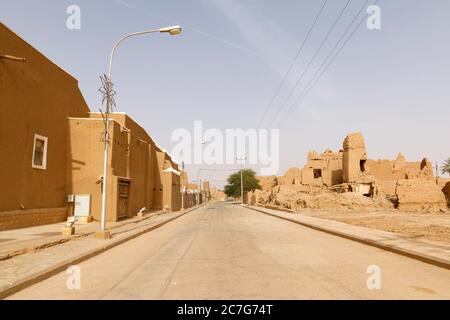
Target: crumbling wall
pixel 267 183
pixel 349 178
pixel 292 176
pixel 354 157
pixel 446 191
pixel 324 168
pixel 420 195
pixel 442 182
pixel 297 197
pixel 387 186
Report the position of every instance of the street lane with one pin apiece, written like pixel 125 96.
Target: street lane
pixel 223 251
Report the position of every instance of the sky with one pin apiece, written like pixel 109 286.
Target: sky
pixel 392 84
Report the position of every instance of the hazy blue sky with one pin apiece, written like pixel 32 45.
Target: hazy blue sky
pixel 392 84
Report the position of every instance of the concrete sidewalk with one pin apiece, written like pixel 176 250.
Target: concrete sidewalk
pixel 20 241
pixel 29 258
pixel 432 253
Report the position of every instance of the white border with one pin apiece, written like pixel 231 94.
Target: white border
pixel 44 159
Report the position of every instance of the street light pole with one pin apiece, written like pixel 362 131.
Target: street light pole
pixel 242 179
pixel 199 181
pixel 109 98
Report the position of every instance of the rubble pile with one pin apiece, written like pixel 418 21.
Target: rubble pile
pixel 349 180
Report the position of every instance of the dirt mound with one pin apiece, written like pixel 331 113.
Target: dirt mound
pixel 293 198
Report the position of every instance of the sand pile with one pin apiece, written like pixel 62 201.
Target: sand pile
pixel 291 197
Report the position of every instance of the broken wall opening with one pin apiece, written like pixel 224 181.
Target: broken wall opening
pixel 317 173
pixel 362 165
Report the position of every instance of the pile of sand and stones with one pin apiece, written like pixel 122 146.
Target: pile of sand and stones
pixel 294 198
pixel 378 212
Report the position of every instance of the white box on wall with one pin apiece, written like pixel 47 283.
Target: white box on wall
pixel 82 205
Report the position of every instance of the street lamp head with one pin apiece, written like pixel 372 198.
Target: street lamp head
pixel 175 30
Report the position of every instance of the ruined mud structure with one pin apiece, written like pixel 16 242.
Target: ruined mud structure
pixel 348 179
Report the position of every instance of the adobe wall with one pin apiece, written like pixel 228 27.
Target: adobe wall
pixel 184 179
pixel 446 191
pixel 330 165
pixel 442 182
pixel 349 179
pixel 292 176
pixel 158 167
pixel 133 158
pixel 140 158
pixel 419 195
pixel 30 218
pixel 354 152
pixel 36 97
pixel 85 162
pixel 267 182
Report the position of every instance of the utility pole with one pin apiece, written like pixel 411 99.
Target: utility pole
pixel 199 185
pixel 242 179
pixel 108 94
pixel 437 170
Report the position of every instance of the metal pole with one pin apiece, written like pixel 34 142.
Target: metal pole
pixel 105 167
pixel 242 179
pixel 437 170
pixel 108 111
pixel 198 189
pixel 242 187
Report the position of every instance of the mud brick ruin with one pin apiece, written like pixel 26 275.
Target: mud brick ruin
pixel 348 179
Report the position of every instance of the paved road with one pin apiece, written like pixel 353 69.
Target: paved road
pixel 223 251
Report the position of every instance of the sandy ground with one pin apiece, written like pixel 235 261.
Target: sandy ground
pixel 433 227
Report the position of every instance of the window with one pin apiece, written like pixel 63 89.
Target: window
pixel 40 152
pixel 317 173
pixel 362 165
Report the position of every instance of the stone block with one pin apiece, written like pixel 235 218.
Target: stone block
pixel 68 231
pixel 104 235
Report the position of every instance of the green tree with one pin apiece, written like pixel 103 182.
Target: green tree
pixel 445 168
pixel 233 188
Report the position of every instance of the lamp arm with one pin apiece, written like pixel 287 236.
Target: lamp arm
pixel 123 39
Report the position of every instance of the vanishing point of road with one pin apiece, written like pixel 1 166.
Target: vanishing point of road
pixel 224 251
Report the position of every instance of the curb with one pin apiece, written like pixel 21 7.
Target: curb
pixel 43 275
pixel 442 263
pixel 63 239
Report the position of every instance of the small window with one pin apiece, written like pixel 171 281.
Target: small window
pixel 317 173
pixel 362 165
pixel 40 152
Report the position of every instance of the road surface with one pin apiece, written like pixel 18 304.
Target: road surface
pixel 223 251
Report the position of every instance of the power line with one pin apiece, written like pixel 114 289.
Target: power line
pixel 314 80
pixel 311 61
pixel 292 64
pixel 325 61
pixel 201 32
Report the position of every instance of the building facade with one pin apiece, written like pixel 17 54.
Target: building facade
pixel 36 98
pixel 52 149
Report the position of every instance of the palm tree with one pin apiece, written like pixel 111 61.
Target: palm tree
pixel 445 168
